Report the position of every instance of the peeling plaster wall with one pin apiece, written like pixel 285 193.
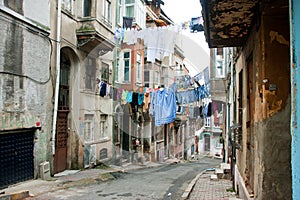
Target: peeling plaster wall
pixel 271 120
pixel 275 150
pixel 24 101
pixel 83 101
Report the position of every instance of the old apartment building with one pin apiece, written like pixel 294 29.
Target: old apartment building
pixel 258 87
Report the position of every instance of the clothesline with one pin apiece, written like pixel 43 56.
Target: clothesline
pixel 159 41
pixel 105 89
pixel 162 103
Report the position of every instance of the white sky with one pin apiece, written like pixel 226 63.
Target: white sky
pixel 193 44
pixel 182 10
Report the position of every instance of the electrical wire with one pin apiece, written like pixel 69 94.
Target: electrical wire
pixel 36 32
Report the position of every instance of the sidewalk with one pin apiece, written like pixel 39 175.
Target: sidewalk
pixel 203 187
pixel 70 178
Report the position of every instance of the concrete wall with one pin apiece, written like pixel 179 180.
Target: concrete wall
pixel 25 84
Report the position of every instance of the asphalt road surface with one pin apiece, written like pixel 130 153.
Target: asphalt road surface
pixel 166 182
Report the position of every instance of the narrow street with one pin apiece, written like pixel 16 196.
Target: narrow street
pixel 115 99
pixel 164 182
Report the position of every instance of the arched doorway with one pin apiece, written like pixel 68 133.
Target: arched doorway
pixel 61 140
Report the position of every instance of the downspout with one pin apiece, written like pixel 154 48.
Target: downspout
pixel 58 30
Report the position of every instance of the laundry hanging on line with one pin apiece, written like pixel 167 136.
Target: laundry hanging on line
pixel 159 41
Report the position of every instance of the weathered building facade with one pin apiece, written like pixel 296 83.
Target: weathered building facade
pixel 62 71
pixel 210 135
pixel 260 95
pixel 82 118
pixel 25 88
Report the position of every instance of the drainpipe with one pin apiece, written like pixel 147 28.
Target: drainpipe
pixel 58 30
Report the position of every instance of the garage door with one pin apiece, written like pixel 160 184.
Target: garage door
pixel 16 156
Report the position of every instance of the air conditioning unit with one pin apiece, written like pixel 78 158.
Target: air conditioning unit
pixel 45 170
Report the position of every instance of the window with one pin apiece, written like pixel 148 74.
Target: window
pixel 219 69
pixel 119 13
pixel 87 8
pixel 140 15
pixel 88 127
pixel 117 134
pixel 15 5
pixel 103 126
pixel 180 135
pixel 67 5
pixel 90 71
pixel 105 72
pixel 219 63
pixel 127 63
pixel 157 77
pixel 207 121
pixel 220 52
pixel 117 64
pixel 65 64
pixel 139 68
pixel 137 10
pixel 103 154
pixel 129 8
pixel 123 66
pixel 147 76
pixel 107 12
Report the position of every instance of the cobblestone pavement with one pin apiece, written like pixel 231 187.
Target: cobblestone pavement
pixel 207 189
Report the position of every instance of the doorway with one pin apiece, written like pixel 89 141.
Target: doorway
pixel 60 158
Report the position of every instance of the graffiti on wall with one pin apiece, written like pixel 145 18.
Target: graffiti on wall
pixel 15 120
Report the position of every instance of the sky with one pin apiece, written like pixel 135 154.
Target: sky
pixel 182 10
pixel 194 45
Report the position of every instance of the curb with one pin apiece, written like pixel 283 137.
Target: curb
pixel 190 187
pixel 15 196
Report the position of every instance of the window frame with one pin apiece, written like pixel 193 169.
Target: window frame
pixel 88 134
pixel 107 12
pixel 138 13
pixel 118 65
pixel 89 13
pixel 126 5
pixel 103 126
pixel 124 67
pixel 15 6
pixel 105 72
pixel 90 71
pixel 119 13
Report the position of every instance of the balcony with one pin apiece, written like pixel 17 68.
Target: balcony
pixel 228 22
pixel 93 34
